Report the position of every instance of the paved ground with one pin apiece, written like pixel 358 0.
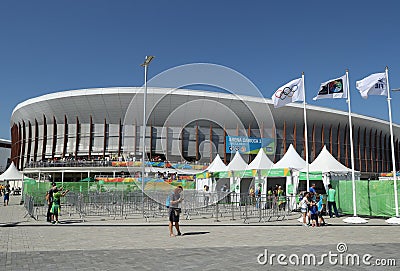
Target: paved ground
pixel 107 244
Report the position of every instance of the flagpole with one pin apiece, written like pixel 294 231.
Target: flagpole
pixel 354 219
pixel 305 130
pixel 393 220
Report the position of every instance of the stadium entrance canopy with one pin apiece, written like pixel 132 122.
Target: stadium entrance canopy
pixel 285 168
pixel 292 167
pixel 326 168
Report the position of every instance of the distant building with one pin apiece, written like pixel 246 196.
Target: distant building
pixel 5 154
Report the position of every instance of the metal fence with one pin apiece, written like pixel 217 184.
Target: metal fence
pixel 151 206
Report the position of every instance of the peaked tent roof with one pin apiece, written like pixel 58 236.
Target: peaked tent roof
pixel 11 173
pixel 217 165
pixel 237 163
pixel 261 161
pixel 291 159
pixel 325 162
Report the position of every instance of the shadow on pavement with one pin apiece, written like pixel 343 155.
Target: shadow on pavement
pixel 195 233
pixel 14 224
pixel 71 221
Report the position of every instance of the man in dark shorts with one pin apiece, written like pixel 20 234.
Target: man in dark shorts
pixel 6 194
pixel 49 198
pixel 174 210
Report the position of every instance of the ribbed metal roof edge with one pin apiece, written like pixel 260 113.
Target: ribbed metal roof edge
pixel 190 92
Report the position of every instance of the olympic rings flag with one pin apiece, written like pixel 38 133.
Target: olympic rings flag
pixel 291 92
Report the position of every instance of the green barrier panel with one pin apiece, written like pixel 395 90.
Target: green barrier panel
pixel 373 198
pixel 38 190
pixel 35 189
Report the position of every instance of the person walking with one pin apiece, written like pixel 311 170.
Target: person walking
pixel 321 210
pixel 6 192
pixel 331 201
pixel 175 210
pixel 206 195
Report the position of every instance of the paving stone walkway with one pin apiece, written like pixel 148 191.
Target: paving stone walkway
pixel 134 244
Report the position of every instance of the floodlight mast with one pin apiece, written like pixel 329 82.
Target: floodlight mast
pixel 145 64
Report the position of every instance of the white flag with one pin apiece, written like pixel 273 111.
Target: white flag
pixel 291 92
pixel 375 84
pixel 335 88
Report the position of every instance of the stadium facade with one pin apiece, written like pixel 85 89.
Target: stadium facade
pixel 182 124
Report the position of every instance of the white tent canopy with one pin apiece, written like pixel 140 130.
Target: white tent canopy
pixel 237 163
pixel 325 162
pixel 291 159
pixel 217 165
pixel 11 174
pixel 261 161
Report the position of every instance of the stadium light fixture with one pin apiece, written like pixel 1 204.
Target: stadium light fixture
pixel 147 61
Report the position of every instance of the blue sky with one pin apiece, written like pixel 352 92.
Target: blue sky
pixel 50 46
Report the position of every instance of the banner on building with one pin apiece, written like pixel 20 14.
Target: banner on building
pixel 249 145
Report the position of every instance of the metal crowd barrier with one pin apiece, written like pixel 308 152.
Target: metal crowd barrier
pixel 29 206
pixel 37 206
pixel 196 205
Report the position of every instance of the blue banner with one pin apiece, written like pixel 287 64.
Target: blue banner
pixel 249 145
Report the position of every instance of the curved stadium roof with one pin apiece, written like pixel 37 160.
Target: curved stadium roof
pixel 112 103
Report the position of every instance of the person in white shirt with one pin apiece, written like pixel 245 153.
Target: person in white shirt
pixel 304 207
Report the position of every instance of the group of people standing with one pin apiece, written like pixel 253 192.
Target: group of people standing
pixel 53 198
pixel 275 197
pixel 312 206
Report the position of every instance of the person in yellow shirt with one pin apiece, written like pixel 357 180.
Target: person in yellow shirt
pixel 252 195
pixel 281 198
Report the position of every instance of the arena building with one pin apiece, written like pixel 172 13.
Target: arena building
pixel 73 130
